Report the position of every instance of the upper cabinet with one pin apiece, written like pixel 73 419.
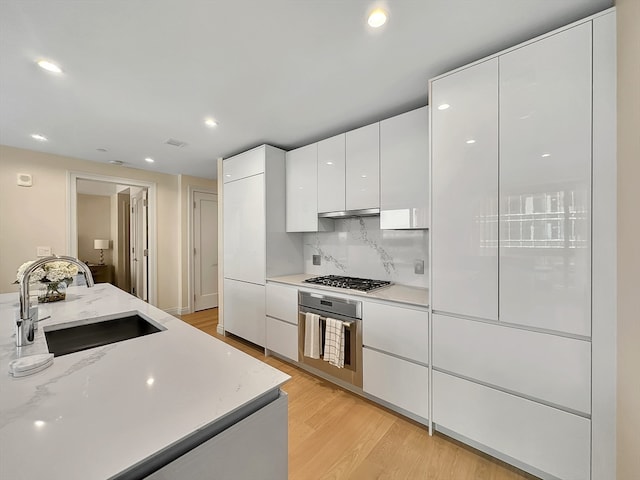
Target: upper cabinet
pixel 404 170
pixel 331 174
pixel 302 191
pixel 363 168
pixel 464 228
pixel 545 182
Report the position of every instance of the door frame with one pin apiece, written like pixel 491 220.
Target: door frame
pixel 72 220
pixel 191 270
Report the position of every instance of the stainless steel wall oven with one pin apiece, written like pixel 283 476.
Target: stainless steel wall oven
pixel 350 313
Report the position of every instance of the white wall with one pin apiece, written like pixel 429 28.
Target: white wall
pixel 628 407
pixel 37 216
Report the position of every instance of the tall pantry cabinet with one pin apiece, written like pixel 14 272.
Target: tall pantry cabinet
pixel 255 242
pixel 517 156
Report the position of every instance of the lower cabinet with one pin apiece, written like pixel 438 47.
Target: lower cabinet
pixel 255 447
pixel 282 338
pixel 397 381
pixel 244 310
pixel 551 441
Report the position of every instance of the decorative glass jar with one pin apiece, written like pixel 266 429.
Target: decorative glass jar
pixel 52 291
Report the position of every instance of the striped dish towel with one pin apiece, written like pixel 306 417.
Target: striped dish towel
pixel 334 342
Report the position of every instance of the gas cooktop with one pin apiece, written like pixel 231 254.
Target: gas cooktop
pixel 361 284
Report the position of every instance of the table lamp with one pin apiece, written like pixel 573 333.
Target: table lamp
pixel 101 245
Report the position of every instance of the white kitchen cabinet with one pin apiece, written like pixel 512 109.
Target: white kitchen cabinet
pixel 522 432
pixel 549 368
pixel 244 310
pixel 262 436
pixel 282 320
pixel 244 229
pixel 256 244
pixel 396 381
pixel 282 302
pixel 243 165
pixel 282 338
pixel 363 168
pixel 464 135
pixel 404 170
pixel 545 183
pixel 331 174
pixel 397 330
pixel 302 191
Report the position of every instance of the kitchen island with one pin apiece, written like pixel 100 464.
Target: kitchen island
pixel 173 404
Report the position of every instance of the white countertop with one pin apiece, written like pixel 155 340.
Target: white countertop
pixel 95 413
pixel 395 293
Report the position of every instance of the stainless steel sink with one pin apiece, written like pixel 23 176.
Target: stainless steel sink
pixel 83 335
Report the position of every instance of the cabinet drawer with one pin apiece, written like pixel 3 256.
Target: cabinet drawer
pixel 545 438
pixel 396 381
pixel 282 338
pixel 398 330
pixel 282 302
pixel 547 367
pixel 244 165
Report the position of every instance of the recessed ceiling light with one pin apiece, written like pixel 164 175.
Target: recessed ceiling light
pixel 363 176
pixel 377 18
pixel 210 122
pixel 40 138
pixel 49 66
pixel 444 106
pixel 149 159
pixel 329 163
pixel 545 155
pixel 470 141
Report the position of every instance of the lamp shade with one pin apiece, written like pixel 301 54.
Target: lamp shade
pixel 101 244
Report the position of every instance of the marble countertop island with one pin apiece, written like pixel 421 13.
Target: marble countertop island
pixel 105 412
pixel 394 293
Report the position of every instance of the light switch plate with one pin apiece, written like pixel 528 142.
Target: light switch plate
pixel 418 267
pixel 43 251
pixel 317 259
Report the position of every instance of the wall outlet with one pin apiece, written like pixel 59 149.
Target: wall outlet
pixel 43 251
pixel 418 267
pixel 317 259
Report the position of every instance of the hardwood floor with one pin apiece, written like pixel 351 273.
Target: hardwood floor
pixel 335 434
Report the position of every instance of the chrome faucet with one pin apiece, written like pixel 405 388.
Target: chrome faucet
pixel 25 325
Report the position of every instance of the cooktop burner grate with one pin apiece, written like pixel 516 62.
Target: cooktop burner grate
pixel 352 283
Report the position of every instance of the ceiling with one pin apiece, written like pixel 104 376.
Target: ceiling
pixel 283 72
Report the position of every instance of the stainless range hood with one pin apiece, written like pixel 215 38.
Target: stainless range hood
pixel 367 212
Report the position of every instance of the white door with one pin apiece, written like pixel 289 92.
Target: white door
pixel 139 245
pixel 205 250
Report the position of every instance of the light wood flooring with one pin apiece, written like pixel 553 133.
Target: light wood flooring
pixel 335 434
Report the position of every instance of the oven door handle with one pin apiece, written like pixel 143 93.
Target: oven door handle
pixel 346 323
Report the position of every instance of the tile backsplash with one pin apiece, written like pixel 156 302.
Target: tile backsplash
pixel 358 248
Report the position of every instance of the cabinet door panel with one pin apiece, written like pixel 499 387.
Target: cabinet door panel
pixel 398 330
pixel 548 439
pixel 465 191
pixel 545 183
pixel 244 310
pixel 331 174
pixel 282 338
pixel 363 168
pixel 302 189
pixel 244 230
pixel 243 165
pixel 404 170
pixel 396 381
pixel 546 367
pixel 282 302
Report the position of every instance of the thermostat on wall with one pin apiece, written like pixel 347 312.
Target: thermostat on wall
pixel 24 180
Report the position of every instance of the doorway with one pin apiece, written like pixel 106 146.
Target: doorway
pixel 204 251
pixel 132 230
